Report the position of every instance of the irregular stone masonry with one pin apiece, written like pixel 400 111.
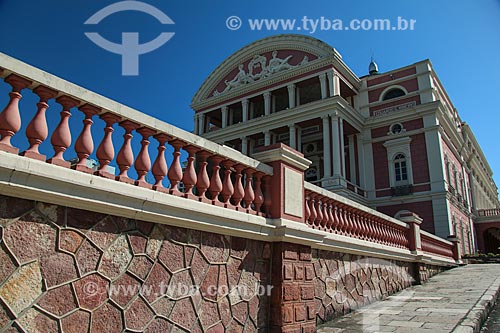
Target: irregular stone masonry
pixel 64 269
pixel 345 282
pixel 69 270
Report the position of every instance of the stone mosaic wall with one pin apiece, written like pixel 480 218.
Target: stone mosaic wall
pixel 74 271
pixel 68 270
pixel 345 282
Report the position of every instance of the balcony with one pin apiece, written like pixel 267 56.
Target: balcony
pixel 402 190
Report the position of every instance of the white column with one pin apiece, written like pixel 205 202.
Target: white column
pixel 361 161
pixel 196 131
pixel 333 83
pixel 327 158
pixel 224 112
pixel 291 96
pixel 336 146
pixel 352 159
pixel 322 82
pixel 267 103
pixel 342 144
pixel 244 106
pixel 201 123
pixel 244 145
pixel 267 138
pixel 293 136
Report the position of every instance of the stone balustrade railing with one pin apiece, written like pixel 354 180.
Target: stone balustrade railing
pixel 435 245
pixel 331 213
pixel 488 212
pixel 213 174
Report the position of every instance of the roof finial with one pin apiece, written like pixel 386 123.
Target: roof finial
pixel 373 67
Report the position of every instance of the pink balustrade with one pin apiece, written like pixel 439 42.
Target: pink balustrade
pixel 433 245
pixel 208 177
pixel 330 215
pixel 489 212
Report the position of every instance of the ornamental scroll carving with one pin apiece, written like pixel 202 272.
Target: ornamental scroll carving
pixel 259 68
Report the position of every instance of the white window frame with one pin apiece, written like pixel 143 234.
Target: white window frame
pixel 400 161
pixel 395 86
pixel 394 148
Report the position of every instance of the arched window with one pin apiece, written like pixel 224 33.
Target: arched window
pixel 393 93
pixel 400 168
pixel 455 175
pixel 448 176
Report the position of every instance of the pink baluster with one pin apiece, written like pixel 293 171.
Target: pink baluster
pixel 215 181
pixel 352 218
pixel 336 219
pixel 37 130
pixel 378 230
pixel 175 171
pixel 325 213
pixel 203 182
pixel 189 178
pixel 319 212
pixel 385 232
pixel 227 184
pixel 259 197
pixel 364 228
pixel 10 117
pixel 367 227
pixel 106 152
pixel 160 168
pixel 143 161
pixel 356 228
pixel 125 156
pixel 61 137
pixel 249 192
pixel 313 216
pixel 342 224
pixel 239 191
pixel 84 145
pixel 306 207
pixel 331 218
pixel 348 224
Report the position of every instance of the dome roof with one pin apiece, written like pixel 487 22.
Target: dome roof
pixel 373 68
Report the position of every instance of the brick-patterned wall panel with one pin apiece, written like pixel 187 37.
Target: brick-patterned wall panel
pixel 292 304
pixel 345 282
pixel 68 270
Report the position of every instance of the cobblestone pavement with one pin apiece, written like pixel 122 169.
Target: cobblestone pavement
pixel 453 301
pixel 492 325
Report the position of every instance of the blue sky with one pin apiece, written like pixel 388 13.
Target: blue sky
pixel 461 38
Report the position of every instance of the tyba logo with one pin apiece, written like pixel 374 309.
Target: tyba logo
pixel 129 49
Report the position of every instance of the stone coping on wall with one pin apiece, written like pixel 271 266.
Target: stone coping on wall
pixel 36 180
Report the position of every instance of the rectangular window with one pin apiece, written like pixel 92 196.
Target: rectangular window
pixel 401 171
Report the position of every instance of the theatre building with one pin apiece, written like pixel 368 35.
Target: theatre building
pixel 389 140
